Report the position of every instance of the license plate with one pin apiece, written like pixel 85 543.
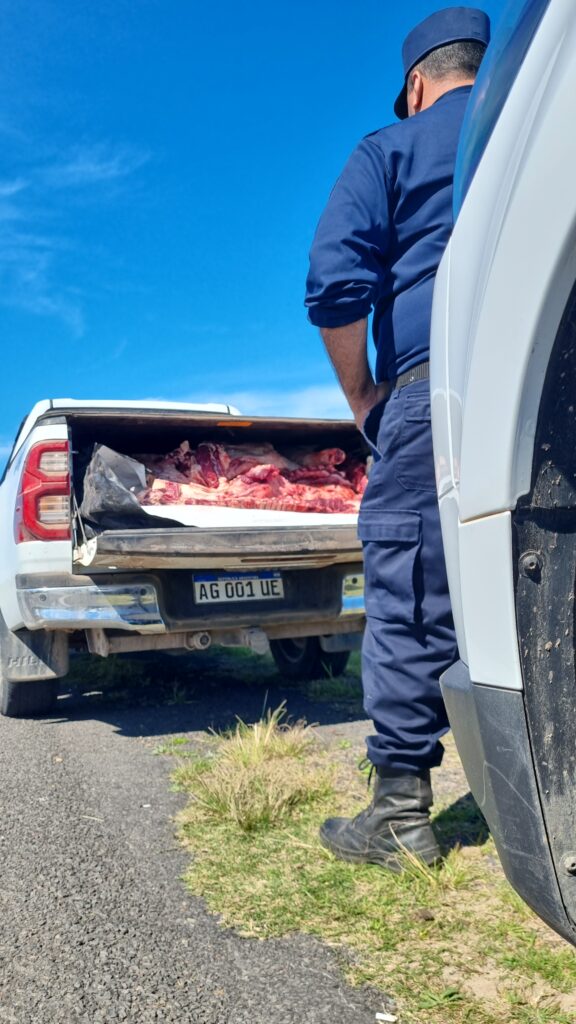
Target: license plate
pixel 216 588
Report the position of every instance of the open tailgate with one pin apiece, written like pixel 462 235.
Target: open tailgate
pixel 185 547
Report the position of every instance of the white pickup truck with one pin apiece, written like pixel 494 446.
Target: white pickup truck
pixel 292 583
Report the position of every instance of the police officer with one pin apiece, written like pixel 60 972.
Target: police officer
pixel 377 247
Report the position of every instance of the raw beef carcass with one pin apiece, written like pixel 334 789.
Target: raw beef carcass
pixel 324 459
pixel 213 461
pixel 355 472
pixel 181 465
pixel 255 476
pixel 244 456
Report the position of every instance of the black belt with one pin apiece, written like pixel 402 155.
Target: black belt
pixel 420 372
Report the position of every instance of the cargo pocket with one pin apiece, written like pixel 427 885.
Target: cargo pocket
pixel 415 462
pixel 391 542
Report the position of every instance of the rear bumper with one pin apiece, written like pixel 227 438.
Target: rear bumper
pixel 126 606
pixel 491 734
pixel 314 602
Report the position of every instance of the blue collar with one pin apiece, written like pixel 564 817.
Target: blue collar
pixel 459 88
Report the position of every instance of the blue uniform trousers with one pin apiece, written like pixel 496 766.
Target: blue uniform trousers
pixel 409 640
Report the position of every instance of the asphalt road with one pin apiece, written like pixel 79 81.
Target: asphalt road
pixel 95 924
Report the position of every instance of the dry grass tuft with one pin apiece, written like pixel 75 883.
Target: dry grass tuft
pixel 269 739
pixel 258 777
pixel 255 796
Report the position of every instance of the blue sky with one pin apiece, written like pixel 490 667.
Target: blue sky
pixel 164 163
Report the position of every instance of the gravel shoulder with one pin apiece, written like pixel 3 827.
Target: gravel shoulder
pixel 96 925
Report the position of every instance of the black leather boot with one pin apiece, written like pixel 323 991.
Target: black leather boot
pixel 398 819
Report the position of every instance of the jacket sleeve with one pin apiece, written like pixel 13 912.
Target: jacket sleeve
pixel 348 255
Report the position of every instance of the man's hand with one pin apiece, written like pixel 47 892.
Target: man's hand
pixel 346 347
pixel 379 392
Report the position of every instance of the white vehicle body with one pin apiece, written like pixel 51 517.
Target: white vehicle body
pixel 291 580
pixel 503 294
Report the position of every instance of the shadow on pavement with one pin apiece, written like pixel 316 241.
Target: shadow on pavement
pixel 154 695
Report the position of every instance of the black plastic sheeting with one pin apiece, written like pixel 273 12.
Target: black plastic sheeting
pixel 109 500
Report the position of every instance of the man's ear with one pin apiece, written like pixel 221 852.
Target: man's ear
pixel 415 95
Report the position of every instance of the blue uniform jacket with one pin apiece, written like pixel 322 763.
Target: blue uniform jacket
pixel 383 232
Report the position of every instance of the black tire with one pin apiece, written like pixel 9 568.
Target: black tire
pixel 302 658
pixel 22 699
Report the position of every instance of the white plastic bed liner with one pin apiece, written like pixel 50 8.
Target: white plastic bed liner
pixel 215 516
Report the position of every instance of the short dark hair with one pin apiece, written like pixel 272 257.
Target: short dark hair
pixel 456 60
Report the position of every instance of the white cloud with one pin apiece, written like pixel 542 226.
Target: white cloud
pixel 94 165
pixel 323 401
pixel 26 278
pixel 32 274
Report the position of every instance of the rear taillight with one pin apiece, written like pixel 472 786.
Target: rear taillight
pixel 43 503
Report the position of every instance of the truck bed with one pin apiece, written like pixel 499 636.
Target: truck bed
pixel 150 542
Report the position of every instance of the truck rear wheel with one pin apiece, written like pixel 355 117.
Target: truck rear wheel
pixel 20 699
pixel 303 658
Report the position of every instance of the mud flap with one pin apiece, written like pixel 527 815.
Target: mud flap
pixel 27 655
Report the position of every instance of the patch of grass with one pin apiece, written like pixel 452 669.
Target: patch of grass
pixel 433 1000
pixel 336 688
pixel 190 764
pixel 523 1013
pixel 138 679
pixel 107 674
pixel 255 796
pixel 173 745
pixel 557 967
pixel 451 944
pixel 259 777
pixel 270 739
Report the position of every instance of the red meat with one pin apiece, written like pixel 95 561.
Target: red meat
pixel 327 458
pixel 246 456
pixel 213 461
pixel 256 476
pixel 180 465
pixel 355 471
pixel 317 477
